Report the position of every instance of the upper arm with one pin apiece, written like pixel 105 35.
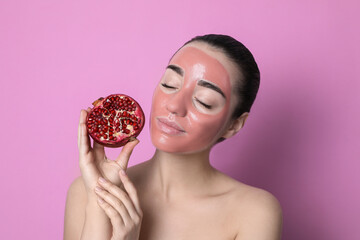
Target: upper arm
pixel 263 219
pixel 75 210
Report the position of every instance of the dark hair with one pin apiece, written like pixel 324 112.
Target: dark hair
pixel 249 79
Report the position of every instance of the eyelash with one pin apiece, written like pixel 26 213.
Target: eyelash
pixel 204 104
pixel 171 87
pixel 167 86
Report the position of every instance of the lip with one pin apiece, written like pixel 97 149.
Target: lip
pixel 169 127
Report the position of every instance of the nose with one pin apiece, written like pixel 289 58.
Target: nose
pixel 177 104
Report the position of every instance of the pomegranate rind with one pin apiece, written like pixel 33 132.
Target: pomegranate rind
pixel 121 137
pixel 97 101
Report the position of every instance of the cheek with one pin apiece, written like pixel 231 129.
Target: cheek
pixel 207 128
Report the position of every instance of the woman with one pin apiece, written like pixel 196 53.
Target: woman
pixel 204 97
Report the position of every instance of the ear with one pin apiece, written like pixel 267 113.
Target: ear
pixel 236 125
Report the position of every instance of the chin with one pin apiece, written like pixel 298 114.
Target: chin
pixel 176 146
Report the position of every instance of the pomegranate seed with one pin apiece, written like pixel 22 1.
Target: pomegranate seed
pixel 113 115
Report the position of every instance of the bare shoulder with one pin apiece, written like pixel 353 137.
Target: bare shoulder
pixel 76 192
pixel 75 209
pixel 256 199
pixel 258 212
pixel 77 186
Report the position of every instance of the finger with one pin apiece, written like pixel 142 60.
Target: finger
pixel 99 151
pixel 123 196
pixel 131 190
pixel 115 202
pixel 83 137
pixel 114 216
pixel 124 156
pixel 79 129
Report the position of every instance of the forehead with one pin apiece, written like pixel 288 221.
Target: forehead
pixel 199 62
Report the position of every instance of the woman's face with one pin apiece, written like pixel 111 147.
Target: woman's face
pixel 193 102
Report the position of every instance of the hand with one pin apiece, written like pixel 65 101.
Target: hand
pixel 122 207
pixel 93 161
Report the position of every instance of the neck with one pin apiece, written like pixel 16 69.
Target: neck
pixel 181 175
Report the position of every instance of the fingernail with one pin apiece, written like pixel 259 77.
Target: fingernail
pixel 100 200
pixel 102 180
pixel 98 189
pixel 132 139
pixel 123 172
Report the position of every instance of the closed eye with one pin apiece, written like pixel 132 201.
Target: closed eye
pixel 204 104
pixel 167 86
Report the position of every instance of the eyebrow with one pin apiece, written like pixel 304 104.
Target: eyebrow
pixel 211 86
pixel 176 69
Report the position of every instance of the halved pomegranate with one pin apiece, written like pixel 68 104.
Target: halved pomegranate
pixel 114 120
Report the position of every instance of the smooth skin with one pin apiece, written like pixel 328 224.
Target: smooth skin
pixel 102 203
pixel 174 195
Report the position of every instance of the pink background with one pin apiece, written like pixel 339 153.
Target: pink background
pixel 301 141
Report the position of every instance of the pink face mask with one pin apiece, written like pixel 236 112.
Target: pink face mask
pixel 191 104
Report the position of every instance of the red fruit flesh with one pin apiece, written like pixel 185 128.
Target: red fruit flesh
pixel 114 120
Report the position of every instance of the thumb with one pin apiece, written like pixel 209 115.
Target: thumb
pixel 124 156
